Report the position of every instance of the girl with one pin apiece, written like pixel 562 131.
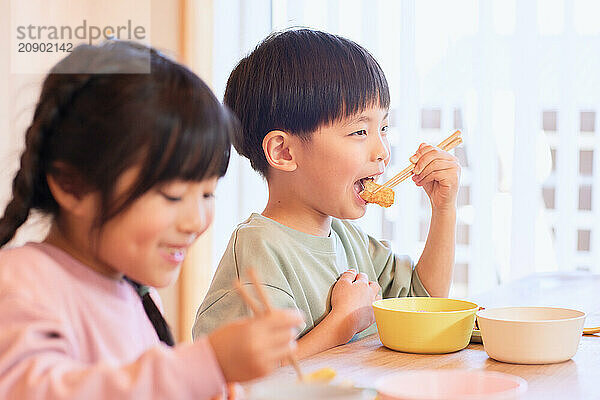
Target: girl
pixel 126 163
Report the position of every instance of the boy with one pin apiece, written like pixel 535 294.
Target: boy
pixel 314 114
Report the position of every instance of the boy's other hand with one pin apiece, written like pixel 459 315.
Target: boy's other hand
pixel 438 172
pixel 351 303
pixel 253 347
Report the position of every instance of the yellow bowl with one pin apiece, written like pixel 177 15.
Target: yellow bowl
pixel 426 325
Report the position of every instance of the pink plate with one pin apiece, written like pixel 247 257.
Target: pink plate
pixel 450 385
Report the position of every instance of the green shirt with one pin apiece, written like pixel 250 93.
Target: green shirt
pixel 298 270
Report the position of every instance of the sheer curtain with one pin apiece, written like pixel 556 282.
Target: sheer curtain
pixel 519 78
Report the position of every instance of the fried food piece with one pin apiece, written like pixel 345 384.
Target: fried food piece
pixel 384 197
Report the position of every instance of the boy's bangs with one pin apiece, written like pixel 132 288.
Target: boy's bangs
pixel 324 78
pixel 357 88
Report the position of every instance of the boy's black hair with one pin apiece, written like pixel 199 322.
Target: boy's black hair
pixel 89 128
pixel 297 81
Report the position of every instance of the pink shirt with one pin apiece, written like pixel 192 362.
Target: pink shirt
pixel 68 332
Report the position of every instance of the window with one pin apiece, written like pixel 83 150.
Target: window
pixel 431 118
pixel 587 121
pixel 583 240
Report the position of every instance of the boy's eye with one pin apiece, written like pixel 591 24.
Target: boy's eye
pixel 209 195
pixel 384 129
pixel 362 132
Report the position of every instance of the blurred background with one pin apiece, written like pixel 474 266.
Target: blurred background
pixel 519 78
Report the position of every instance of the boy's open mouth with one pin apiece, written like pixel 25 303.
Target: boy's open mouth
pixel 359 185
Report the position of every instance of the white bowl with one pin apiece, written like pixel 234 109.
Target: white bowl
pixel 530 335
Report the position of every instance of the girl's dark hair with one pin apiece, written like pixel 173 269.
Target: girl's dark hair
pixel 99 124
pixel 297 81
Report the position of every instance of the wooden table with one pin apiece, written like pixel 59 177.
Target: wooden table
pixel 366 360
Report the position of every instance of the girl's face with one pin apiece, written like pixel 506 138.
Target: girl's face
pixel 148 241
pixel 338 157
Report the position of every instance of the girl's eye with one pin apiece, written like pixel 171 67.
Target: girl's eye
pixel 384 129
pixel 359 133
pixel 171 198
pixel 209 195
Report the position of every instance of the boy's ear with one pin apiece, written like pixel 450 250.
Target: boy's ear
pixel 278 147
pixel 69 190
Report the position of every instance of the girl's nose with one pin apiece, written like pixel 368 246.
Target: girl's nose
pixel 194 220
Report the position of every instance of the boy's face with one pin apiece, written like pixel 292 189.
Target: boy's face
pixel 338 156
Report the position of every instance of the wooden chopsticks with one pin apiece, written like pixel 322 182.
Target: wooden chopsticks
pixel 591 331
pixel 266 309
pixel 447 144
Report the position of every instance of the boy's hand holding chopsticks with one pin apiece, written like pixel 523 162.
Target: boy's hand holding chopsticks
pixel 433 168
pixel 438 172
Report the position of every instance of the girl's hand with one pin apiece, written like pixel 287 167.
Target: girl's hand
pixel 438 172
pixel 351 303
pixel 253 347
